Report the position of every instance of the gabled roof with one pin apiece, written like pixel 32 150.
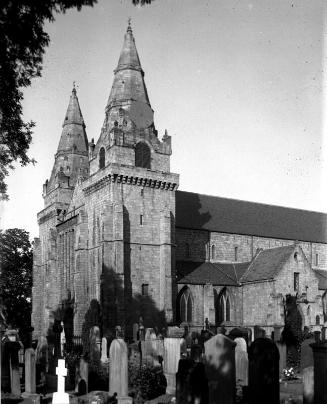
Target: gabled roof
pixel 267 263
pixel 196 211
pixel 322 278
pixel 200 273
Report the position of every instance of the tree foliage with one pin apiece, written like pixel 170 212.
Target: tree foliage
pixel 22 45
pixel 16 277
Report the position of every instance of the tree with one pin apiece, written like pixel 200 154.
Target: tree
pixel 16 277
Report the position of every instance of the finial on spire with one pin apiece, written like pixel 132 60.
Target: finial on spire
pixel 129 28
pixel 74 88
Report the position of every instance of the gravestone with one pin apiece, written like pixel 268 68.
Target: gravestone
pixel 30 382
pixel 320 372
pixel 220 369
pixel 282 349
pixel 62 340
pixel 308 385
pixel 95 343
pixel 259 332
pixel 60 397
pixel 82 377
pixel 196 352
pixel 306 358
pixel 240 332
pixel 191 382
pixel 172 355
pixel 135 332
pixel 263 372
pixel 104 356
pixel 10 375
pixel 277 332
pixel 118 375
pixel 241 361
pixel 30 377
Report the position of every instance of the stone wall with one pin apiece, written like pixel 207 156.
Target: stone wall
pixel 200 244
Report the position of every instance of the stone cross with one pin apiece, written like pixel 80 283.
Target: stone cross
pixel 60 397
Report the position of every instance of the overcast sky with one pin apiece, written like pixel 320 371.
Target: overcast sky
pixel 239 85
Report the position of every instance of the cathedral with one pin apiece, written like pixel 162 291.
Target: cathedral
pixel 116 233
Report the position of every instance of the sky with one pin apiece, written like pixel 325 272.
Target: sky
pixel 239 85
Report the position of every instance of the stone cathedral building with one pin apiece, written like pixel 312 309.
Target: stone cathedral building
pixel 115 232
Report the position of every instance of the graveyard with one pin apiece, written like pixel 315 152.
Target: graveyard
pixel 174 365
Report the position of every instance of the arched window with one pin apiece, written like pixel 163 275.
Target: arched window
pixel 185 306
pixel 142 155
pixel 223 307
pixel 317 320
pixel 102 158
pixel 213 252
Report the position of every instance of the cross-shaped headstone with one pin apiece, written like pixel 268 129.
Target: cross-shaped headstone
pixel 61 372
pixel 60 397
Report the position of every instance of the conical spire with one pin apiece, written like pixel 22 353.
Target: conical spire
pixel 129 58
pixel 128 83
pixel 73 135
pixel 71 159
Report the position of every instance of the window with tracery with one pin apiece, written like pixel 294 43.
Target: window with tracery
pixel 223 307
pixel 185 306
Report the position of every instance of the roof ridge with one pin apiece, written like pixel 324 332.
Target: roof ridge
pixel 221 271
pixel 251 264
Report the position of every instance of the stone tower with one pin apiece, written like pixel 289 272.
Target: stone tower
pixel 107 233
pixel 70 166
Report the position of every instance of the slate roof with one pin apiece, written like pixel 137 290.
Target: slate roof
pixel 200 273
pixel 322 278
pixel 267 263
pixel 196 211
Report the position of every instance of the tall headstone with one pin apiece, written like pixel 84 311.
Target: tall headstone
pixel 220 369
pixel 30 382
pixel 282 349
pixel 104 355
pixel 14 368
pixel 118 375
pixel 172 355
pixel 241 361
pixel 320 372
pixel 135 332
pixel 30 377
pixel 60 397
pixel 263 372
pixel 308 385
